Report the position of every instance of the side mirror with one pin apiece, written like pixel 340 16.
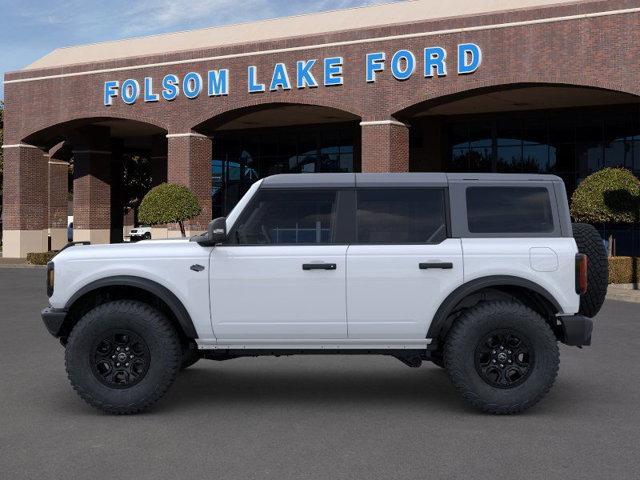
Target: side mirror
pixel 217 230
pixel 216 233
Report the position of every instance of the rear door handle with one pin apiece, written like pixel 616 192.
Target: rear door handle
pixel 319 266
pixel 442 265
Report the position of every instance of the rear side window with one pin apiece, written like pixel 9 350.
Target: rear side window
pixel 284 217
pixel 509 210
pixel 394 216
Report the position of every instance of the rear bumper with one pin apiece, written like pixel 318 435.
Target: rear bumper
pixel 53 319
pixel 576 330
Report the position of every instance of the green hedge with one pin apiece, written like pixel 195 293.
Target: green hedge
pixel 40 258
pixel 621 270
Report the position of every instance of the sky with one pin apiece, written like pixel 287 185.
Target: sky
pixel 29 29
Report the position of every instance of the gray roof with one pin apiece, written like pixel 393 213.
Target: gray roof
pixel 412 179
pixel 279 28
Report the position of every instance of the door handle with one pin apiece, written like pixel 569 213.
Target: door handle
pixel 319 266
pixel 442 265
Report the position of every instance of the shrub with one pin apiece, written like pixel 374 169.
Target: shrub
pixel 624 270
pixel 169 203
pixel 41 258
pixel 609 195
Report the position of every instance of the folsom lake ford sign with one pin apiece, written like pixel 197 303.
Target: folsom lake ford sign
pixel 309 73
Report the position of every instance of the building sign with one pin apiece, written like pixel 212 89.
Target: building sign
pixel 308 73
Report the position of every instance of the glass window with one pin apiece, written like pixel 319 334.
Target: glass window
pixel 279 217
pixel 394 216
pixel 509 210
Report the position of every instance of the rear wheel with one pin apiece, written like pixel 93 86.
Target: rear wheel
pixel 590 243
pixel 502 357
pixel 122 356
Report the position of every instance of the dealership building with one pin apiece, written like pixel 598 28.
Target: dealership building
pixel 545 86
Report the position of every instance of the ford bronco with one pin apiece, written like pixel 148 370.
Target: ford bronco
pixel 482 274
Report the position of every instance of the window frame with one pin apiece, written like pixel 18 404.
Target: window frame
pixel 445 206
pixel 344 202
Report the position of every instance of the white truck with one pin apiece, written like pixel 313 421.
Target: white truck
pixel 482 274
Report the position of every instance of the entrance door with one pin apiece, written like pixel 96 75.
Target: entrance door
pixel 282 276
pixel 402 266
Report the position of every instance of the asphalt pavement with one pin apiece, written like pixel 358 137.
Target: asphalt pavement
pixel 315 417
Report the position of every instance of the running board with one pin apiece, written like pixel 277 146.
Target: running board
pixel 323 344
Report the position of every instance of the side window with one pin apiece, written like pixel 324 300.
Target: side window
pixel 283 217
pixel 509 210
pixel 401 215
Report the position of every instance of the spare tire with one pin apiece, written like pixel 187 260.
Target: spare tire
pixel 590 243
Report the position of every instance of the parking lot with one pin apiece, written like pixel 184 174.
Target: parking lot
pixel 314 417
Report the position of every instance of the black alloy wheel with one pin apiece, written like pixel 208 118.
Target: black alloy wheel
pixel 504 358
pixel 120 359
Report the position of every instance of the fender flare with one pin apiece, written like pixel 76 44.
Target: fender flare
pixel 154 288
pixel 439 323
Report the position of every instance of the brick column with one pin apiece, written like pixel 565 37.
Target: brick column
pixel 385 146
pixel 158 160
pixel 189 164
pixel 58 191
pixel 92 184
pixel 25 202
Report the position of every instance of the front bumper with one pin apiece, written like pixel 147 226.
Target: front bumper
pixel 576 330
pixel 53 319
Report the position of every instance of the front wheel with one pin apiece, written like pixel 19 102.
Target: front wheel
pixel 502 357
pixel 122 356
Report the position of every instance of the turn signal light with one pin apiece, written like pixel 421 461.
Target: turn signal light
pixel 582 262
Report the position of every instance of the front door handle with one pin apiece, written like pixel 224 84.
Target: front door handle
pixel 319 266
pixel 442 265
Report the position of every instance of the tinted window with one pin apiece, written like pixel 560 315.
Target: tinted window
pixel 289 217
pixel 401 216
pixel 509 210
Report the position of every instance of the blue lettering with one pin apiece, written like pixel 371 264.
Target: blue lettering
pixel 254 87
pixel 110 92
pixel 469 58
pixel 218 81
pixel 304 77
pixel 375 63
pixel 280 78
pixel 434 58
pixel 333 71
pixel 170 87
pixel 130 91
pixel 192 84
pixel 149 96
pixel 403 64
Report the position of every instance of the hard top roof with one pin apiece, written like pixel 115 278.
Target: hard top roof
pixel 411 179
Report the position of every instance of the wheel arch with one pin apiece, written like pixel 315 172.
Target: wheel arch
pixel 522 289
pixel 122 286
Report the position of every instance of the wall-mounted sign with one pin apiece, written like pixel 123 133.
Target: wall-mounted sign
pixel 309 73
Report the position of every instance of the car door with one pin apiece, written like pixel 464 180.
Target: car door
pixel 402 265
pixel 282 273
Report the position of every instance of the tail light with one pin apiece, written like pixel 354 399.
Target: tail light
pixel 582 262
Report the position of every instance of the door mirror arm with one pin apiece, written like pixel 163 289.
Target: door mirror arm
pixel 216 233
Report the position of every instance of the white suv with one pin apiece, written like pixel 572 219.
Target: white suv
pixel 480 274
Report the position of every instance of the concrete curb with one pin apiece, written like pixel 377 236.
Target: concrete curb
pixel 624 293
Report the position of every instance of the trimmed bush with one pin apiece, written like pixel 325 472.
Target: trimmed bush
pixel 169 203
pixel 40 258
pixel 621 270
pixel 609 195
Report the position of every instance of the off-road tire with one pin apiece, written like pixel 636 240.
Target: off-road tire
pixel 148 324
pixel 590 243
pixel 469 331
pixel 190 355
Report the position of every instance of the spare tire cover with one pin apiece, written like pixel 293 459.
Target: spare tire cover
pixel 590 243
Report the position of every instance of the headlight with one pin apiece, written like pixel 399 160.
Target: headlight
pixel 50 278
